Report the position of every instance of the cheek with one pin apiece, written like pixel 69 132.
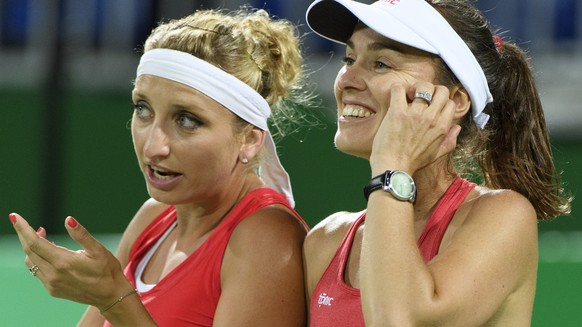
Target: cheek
pixel 137 140
pixel 336 89
pixel 139 131
pixel 208 155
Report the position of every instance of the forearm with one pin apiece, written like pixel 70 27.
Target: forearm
pixel 395 281
pixel 91 318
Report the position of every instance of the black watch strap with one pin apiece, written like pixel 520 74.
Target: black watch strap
pixel 374 184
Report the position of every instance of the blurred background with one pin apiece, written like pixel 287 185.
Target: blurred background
pixel 66 68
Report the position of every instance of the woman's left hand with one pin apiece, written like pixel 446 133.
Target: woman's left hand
pixel 415 132
pixel 91 276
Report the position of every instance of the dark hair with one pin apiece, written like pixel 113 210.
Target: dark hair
pixel 513 150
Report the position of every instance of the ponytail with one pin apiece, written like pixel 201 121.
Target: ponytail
pixel 513 151
pixel 518 152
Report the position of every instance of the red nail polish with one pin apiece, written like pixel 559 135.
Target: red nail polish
pixel 12 218
pixel 39 230
pixel 72 222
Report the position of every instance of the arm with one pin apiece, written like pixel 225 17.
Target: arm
pixel 262 272
pixel 149 210
pixel 91 275
pixel 145 215
pixel 491 255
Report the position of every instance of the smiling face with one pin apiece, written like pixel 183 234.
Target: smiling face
pixel 184 141
pixel 373 64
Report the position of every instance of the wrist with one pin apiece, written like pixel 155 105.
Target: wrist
pixel 118 300
pixel 398 183
pixel 379 166
pixel 112 290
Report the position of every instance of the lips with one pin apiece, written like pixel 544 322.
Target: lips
pixel 162 178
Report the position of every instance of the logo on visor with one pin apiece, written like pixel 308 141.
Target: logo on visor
pixel 391 2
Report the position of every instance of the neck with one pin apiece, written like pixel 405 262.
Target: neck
pixel 198 219
pixel 431 183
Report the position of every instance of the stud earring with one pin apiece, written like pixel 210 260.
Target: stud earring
pixel 245 160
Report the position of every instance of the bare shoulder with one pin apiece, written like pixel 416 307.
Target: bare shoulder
pixel 505 206
pixel 263 265
pixel 322 243
pixel 149 210
pixel 496 214
pixel 329 232
pixel 144 216
pixel 271 236
pixel 492 239
pixel 272 221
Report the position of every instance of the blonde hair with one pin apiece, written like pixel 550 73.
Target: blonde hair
pixel 260 51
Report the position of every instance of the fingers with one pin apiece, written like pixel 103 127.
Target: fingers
pixel 32 243
pixel 421 93
pixel 42 252
pixel 41 232
pixel 423 96
pixel 426 95
pixel 80 235
pixel 419 125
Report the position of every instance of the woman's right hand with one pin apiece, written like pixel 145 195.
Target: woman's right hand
pixel 414 133
pixel 91 276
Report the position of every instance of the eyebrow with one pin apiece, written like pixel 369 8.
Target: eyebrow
pixel 137 94
pixel 378 46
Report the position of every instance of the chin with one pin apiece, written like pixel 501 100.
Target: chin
pixel 358 148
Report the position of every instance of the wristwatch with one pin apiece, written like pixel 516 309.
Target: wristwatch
pixel 396 182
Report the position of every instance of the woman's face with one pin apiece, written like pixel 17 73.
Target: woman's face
pixel 184 141
pixel 372 65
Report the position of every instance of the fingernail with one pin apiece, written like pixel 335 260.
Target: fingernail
pixel 72 222
pixel 12 218
pixel 39 230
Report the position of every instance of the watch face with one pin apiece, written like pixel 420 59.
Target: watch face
pixel 401 184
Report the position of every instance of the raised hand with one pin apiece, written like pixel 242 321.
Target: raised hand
pixel 92 275
pixel 416 131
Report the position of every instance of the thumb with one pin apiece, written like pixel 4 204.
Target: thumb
pixel 80 235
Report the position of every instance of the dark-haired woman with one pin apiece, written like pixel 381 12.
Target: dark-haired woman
pixel 429 95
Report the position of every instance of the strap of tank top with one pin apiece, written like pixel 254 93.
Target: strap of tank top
pixel 430 239
pixel 341 257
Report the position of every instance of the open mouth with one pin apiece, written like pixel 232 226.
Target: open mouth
pixel 356 111
pixel 161 174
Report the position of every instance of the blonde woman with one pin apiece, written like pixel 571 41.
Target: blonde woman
pixel 218 243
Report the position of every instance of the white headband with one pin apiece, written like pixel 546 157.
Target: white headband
pixel 227 90
pixel 412 22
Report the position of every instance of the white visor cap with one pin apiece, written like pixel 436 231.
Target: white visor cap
pixel 414 23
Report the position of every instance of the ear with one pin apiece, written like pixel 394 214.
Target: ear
pixel 252 143
pixel 462 101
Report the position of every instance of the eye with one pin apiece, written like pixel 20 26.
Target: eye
pixel 348 61
pixel 188 121
pixel 141 111
pixel 381 65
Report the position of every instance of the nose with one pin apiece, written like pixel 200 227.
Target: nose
pixel 350 77
pixel 157 142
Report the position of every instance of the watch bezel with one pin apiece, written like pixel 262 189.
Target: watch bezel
pixel 387 185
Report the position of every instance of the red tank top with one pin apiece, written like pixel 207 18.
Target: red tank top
pixel 335 303
pixel 189 294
